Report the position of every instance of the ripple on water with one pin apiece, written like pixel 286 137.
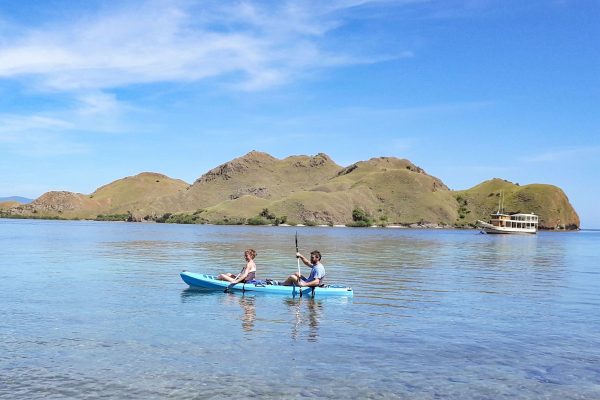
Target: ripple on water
pixel 98 310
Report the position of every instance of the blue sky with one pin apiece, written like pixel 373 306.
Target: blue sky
pixel 469 90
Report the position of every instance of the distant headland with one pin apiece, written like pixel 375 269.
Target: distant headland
pixel 258 188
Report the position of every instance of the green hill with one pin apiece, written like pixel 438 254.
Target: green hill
pixel 547 201
pixel 139 194
pixel 258 175
pixel 305 190
pixel 389 190
pixel 134 194
pixel 315 190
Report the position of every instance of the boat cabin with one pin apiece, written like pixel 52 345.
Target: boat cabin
pixel 517 221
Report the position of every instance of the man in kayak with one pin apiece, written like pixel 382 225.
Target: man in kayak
pixel 317 272
pixel 247 273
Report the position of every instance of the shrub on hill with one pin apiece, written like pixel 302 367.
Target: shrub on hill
pixel 19 216
pixel 257 221
pixel 280 220
pixel 463 210
pixel 115 217
pixel 182 218
pixel 265 213
pixel 360 219
pixel 265 217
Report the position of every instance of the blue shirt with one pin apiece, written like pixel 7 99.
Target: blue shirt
pixel 317 271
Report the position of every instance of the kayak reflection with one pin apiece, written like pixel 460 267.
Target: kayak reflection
pixel 307 313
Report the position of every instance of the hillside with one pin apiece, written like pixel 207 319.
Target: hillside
pixel 547 201
pixel 316 190
pixel 258 175
pixel 306 190
pixel 5 205
pixel 59 204
pixel 134 194
pixel 390 190
pixel 138 194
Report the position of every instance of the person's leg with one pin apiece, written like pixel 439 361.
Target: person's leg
pixel 226 277
pixel 292 279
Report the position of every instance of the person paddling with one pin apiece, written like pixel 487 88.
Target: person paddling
pixel 247 273
pixel 317 272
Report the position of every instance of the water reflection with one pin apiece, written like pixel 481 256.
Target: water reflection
pixel 305 311
pixel 193 294
pixel 249 308
pixel 247 303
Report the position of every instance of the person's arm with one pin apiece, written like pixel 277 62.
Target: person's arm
pixel 242 275
pixel 304 259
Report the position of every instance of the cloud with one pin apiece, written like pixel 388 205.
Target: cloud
pixel 37 135
pixel 255 45
pixel 13 126
pixel 63 132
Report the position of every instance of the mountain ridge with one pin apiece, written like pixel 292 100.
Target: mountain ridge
pixel 19 199
pixel 304 189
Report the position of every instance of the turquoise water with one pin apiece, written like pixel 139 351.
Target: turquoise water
pixel 91 310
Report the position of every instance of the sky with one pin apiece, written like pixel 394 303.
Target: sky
pixel 469 90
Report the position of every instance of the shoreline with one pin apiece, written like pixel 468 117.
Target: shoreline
pixel 413 226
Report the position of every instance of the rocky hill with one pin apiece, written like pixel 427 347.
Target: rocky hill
pixel 258 175
pixel 307 190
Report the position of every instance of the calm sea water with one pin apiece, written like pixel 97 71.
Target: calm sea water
pixel 97 310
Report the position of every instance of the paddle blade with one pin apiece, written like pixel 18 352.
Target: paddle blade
pixel 296 241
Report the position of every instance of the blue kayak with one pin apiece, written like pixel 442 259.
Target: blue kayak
pixel 204 281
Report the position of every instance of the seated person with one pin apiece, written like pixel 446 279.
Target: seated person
pixel 247 273
pixel 317 272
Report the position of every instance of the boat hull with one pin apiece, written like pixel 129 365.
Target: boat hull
pixel 210 282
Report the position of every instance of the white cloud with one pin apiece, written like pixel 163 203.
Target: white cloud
pixel 243 45
pixel 37 135
pixel 61 132
pixel 12 126
pixel 97 103
pixel 258 46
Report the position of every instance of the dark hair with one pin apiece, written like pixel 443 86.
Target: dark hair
pixel 251 252
pixel 316 253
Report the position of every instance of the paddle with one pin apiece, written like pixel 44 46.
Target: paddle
pixel 298 259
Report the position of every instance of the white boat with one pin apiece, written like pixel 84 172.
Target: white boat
pixel 510 223
pixel 501 222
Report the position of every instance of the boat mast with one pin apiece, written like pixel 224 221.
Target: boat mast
pixel 500 201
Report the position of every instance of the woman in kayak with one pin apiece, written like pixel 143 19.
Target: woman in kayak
pixel 247 273
pixel 317 272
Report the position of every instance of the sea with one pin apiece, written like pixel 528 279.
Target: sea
pixel 92 310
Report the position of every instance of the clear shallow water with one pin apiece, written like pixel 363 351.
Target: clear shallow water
pixel 91 310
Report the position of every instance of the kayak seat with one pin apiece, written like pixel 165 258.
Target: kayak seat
pixel 256 282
